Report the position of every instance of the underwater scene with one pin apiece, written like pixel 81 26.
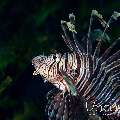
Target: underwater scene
pixel 59 60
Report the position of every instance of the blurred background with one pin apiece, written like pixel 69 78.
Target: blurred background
pixel 27 29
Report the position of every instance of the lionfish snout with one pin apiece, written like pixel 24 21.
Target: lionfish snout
pixel 46 66
pixel 37 62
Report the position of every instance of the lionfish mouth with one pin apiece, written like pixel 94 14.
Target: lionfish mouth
pixel 37 63
pixel 96 77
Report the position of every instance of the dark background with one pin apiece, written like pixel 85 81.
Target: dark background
pixel 29 28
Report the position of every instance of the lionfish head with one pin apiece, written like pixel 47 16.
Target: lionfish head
pixel 52 68
pixel 41 64
pixel 46 66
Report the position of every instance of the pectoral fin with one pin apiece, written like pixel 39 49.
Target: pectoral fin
pixel 69 83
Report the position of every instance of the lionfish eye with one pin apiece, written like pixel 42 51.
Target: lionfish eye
pixel 54 57
pixel 41 58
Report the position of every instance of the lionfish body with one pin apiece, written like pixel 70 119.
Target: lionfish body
pixel 89 84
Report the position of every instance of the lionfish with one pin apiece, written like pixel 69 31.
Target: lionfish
pixel 88 81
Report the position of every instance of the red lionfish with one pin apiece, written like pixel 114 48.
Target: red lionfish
pixel 88 82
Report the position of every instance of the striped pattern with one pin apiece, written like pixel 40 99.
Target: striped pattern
pixel 90 78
